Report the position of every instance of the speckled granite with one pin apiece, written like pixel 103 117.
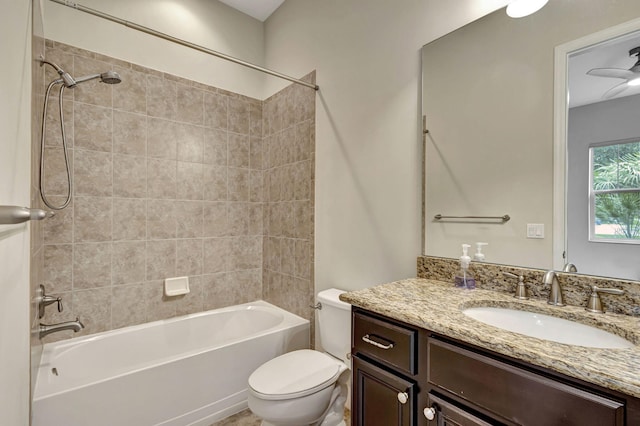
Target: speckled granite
pixel 437 306
pixel 576 288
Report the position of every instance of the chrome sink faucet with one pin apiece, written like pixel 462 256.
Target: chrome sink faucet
pixel 53 328
pixel 555 295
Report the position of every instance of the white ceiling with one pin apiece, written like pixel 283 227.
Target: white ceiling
pixel 587 89
pixel 259 9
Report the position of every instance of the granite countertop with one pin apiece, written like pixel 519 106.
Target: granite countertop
pixel 437 306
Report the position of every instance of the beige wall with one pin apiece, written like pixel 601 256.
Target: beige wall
pixel 368 150
pixel 208 23
pixel 15 143
pixel 490 146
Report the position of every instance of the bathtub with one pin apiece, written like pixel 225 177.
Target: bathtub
pixel 190 370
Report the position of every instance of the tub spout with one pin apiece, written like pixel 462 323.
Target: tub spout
pixel 52 328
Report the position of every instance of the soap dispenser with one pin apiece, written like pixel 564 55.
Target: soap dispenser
pixel 479 255
pixel 464 278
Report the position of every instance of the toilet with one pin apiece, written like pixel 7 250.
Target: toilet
pixel 306 387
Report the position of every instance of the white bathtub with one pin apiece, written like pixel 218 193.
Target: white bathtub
pixel 190 370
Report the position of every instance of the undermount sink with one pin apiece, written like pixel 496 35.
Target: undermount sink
pixel 547 327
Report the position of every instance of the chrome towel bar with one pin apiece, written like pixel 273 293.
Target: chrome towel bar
pixel 504 218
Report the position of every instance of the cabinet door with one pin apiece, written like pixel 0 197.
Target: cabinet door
pixel 444 413
pixel 381 398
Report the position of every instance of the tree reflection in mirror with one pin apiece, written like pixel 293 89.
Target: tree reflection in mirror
pixel 615 192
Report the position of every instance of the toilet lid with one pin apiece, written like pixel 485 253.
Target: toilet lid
pixel 295 374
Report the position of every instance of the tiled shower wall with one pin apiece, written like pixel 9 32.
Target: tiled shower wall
pixel 169 180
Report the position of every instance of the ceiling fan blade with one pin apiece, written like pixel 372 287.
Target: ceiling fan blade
pixel 615 90
pixel 613 73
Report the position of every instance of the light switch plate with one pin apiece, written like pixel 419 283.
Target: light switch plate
pixel 535 230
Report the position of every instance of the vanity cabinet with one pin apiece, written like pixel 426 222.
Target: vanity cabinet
pixel 404 375
pixel 387 371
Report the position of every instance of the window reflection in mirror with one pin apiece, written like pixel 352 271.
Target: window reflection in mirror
pixel 614 193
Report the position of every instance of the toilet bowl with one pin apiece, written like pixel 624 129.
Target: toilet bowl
pixel 296 388
pixel 307 387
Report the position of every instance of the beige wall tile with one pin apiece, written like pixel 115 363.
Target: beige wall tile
pixel 92 127
pixel 215 110
pixel 189 218
pixel 55 171
pixel 91 92
pixel 256 219
pixel 91 265
pixel 157 305
pixel 161 259
pixel 190 189
pixel 255 120
pixel 256 153
pixel 129 176
pixel 92 219
pixel 215 291
pixel 238 184
pixel 216 255
pixel 303 259
pixel 238 150
pixel 238 116
pixel 93 308
pixel 161 98
pixel 162 137
pixel 161 219
pixel 128 262
pixel 238 219
pixel 161 178
pixel 129 133
pixel 215 147
pixel 288 256
pixel 130 95
pixel 52 129
pixel 93 173
pixel 58 268
pixel 129 219
pixel 59 228
pixel 190 140
pixel 216 219
pixel 190 185
pixel 192 302
pixel 128 307
pixel 190 104
pixel 189 255
pixel 215 183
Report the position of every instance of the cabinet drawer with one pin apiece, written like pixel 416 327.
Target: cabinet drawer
pixel 509 391
pixel 387 342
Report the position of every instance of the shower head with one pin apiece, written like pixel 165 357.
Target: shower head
pixel 109 77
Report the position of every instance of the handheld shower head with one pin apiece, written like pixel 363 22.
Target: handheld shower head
pixel 65 77
pixel 109 77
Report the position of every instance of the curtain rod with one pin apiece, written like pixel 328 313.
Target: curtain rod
pixel 185 43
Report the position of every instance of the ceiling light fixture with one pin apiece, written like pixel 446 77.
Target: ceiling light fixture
pixel 521 8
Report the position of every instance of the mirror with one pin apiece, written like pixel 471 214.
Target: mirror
pixel 488 102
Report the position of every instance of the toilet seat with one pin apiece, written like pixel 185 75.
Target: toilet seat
pixel 294 375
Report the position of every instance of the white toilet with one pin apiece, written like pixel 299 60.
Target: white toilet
pixel 306 387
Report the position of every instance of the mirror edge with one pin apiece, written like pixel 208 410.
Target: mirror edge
pixel 560 112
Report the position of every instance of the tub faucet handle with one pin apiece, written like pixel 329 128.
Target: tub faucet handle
pixel 44 300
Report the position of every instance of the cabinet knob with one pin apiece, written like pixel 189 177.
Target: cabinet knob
pixel 429 413
pixel 403 397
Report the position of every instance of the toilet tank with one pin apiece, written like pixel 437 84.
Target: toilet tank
pixel 334 322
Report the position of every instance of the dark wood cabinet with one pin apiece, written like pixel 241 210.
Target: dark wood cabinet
pixel 404 375
pixel 383 398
